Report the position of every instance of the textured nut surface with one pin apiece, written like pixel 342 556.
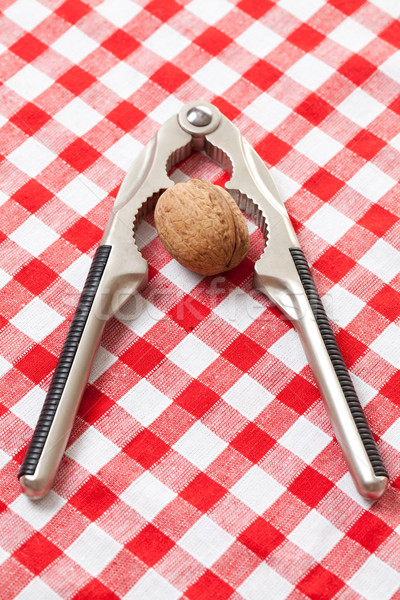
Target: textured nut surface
pixel 202 227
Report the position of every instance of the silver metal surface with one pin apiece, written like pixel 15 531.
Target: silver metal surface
pixel 200 126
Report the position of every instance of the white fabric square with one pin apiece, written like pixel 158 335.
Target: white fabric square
pixel 267 111
pixel 392 434
pixel 395 142
pixel 383 260
pixel 392 7
pixel 310 72
pixel 301 10
pixel 144 234
pixel 192 355
pixel 265 578
pixel 37 589
pixel 166 109
pixel 81 194
pixel 27 13
pixel 341 306
pixel 3 557
pixel 3 197
pixel 329 224
pixel 305 439
pixel 209 11
pixel 286 185
pixel 351 35
pixel 93 550
pixel 34 236
pixel 4 278
pixel 248 397
pixel 166 42
pixel 206 541
pixel 37 320
pixel 216 76
pixel 364 391
pixel 148 496
pixel 318 146
pixel 375 580
pixel 391 67
pixel 182 277
pixel 123 79
pixel 29 407
pixel 152 587
pixel 102 361
pixel 118 12
pixel 4 458
pixel 360 107
pixel 124 152
pixel 239 309
pixel 259 40
pixel 76 274
pixel 200 445
pixel 387 345
pixel 371 182
pixel 74 44
pixel 290 351
pixel 78 117
pixel 144 402
pixel 257 489
pixel 92 450
pixel 139 315
pixel 31 157
pixel 5 366
pixel 315 535
pixel 29 82
pixel 346 484
pixel 38 514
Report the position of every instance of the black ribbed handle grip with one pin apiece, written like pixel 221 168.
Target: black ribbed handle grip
pixel 337 361
pixel 65 362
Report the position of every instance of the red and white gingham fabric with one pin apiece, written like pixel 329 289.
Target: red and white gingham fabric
pixel 202 464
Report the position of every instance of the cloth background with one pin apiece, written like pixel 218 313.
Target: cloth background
pixel 202 464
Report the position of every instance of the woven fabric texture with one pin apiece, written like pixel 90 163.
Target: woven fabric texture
pixel 202 464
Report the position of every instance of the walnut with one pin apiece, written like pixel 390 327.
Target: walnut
pixel 202 227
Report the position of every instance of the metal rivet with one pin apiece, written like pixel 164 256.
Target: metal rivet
pixel 199 116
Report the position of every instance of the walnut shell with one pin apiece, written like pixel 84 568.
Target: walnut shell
pixel 202 227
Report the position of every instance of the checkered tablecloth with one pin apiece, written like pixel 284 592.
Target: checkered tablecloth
pixel 202 464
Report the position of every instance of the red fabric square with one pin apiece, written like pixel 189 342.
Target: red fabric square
pixel 93 498
pixel 227 109
pixel 320 584
pixel 120 44
pixel 163 10
pixel 272 149
pixel 395 105
pixel 347 6
pixel 142 357
pixel 32 195
pixel 150 545
pixel 261 538
pixel 83 234
pixel 262 74
pixel 305 37
pixel 392 34
pixel 243 271
pixel 37 364
pixel 310 486
pixel 334 264
pixel 197 398
pixel 243 352
pixel 94 404
pixel 369 531
pixel 95 589
pixel 30 118
pixel 391 388
pixel 357 69
pixel 76 80
pixel 213 41
pixel 209 586
pixel 323 184
pixel 35 276
pixel 203 492
pixel 314 109
pixel 169 77
pixel 255 8
pixel 72 10
pixel 366 144
pixel 37 553
pixel 350 347
pixel 28 47
pixel 126 116
pixel 253 442
pixel 189 312
pixel 299 394
pixel 378 220
pixel 80 155
pixel 146 448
